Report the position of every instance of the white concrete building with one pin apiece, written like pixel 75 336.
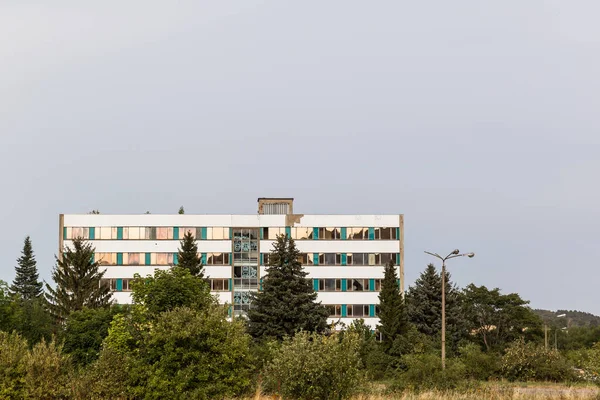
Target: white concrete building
pixel 343 254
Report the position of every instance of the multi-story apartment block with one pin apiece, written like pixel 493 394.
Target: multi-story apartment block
pixel 344 255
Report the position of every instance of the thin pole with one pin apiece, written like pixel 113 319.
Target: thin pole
pixel 444 314
pixel 546 336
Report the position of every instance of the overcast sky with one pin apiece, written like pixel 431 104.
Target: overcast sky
pixel 477 120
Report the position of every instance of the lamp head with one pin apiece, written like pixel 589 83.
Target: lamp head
pixel 455 251
pixel 471 255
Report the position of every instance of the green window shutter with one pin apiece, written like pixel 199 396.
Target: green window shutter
pixel 119 258
pixel 230 233
pixel 398 259
pixel 345 285
pixel 261 232
pixel 230 259
pixel 64 232
pixel 372 285
pixel 371 310
pixel 93 257
pixel 230 284
pixel 316 285
pixel 229 311
pixel 315 233
pixel 203 258
pixel 344 314
pixel 92 233
pixel 203 233
pixel 119 285
pixel 397 233
pixel 176 233
pixel 344 259
pixel 343 233
pixel 398 282
pixel 120 233
pixel 260 287
pixel 261 258
pixel 371 233
pixel 175 258
pixel 288 231
pixel 148 259
pixel 316 258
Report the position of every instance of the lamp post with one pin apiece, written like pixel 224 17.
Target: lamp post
pixel 456 253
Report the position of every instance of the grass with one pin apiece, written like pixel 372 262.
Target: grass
pixel 486 391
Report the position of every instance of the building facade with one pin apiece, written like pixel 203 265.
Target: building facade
pixel 344 255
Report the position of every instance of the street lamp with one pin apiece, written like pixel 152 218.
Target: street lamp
pixel 456 253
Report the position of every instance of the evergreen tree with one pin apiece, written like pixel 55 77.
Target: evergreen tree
pixel 287 303
pixel 26 284
pixel 181 210
pixel 424 306
pixel 188 256
pixel 392 311
pixel 77 280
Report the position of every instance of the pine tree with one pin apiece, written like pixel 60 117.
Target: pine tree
pixel 393 318
pixel 287 303
pixel 26 284
pixel 424 306
pixel 188 256
pixel 77 279
pixel 181 211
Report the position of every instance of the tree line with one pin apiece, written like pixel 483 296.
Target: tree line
pixel 69 340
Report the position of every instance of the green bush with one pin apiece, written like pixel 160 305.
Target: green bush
pixel 478 364
pixel 531 362
pixel 424 372
pixel 107 378
pixel 47 372
pixel 13 348
pixel 193 354
pixel 312 366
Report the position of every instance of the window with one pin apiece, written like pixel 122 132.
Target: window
pixel 386 258
pixel 301 233
pixel 132 259
pixel 335 310
pixel 245 277
pixel 357 285
pixel 378 285
pixel 359 233
pixel 357 310
pixel 357 259
pixel 330 285
pixel 329 258
pixel 219 285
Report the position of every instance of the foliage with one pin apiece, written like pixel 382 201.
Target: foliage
pixel 424 371
pixel 46 372
pixel 194 354
pixel 312 366
pixel 479 365
pixel 32 320
pixel 424 305
pixel 169 289
pixel 188 256
pixel 106 378
pixel 392 311
pixel 528 361
pixel 13 349
pixel 287 303
pixel 84 332
pixel 77 279
pixel 572 318
pixel 26 284
pixel 181 211
pixel 7 308
pixel 498 319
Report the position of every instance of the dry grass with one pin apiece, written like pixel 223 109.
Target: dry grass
pixel 489 392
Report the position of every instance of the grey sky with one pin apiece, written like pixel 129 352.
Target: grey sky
pixel 478 120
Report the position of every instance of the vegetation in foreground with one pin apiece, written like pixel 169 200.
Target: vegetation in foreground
pixel 177 342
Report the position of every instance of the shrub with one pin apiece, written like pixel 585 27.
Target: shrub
pixel 193 354
pixel 13 349
pixel 529 361
pixel 312 366
pixel 479 365
pixel 424 372
pixel 46 371
pixel 106 378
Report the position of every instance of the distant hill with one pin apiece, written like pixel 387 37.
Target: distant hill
pixel 572 318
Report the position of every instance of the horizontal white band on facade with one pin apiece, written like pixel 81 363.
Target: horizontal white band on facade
pixel 340 246
pixel 125 297
pixel 371 322
pixel 348 297
pixel 129 271
pixel 324 272
pixel 241 221
pixel 155 246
